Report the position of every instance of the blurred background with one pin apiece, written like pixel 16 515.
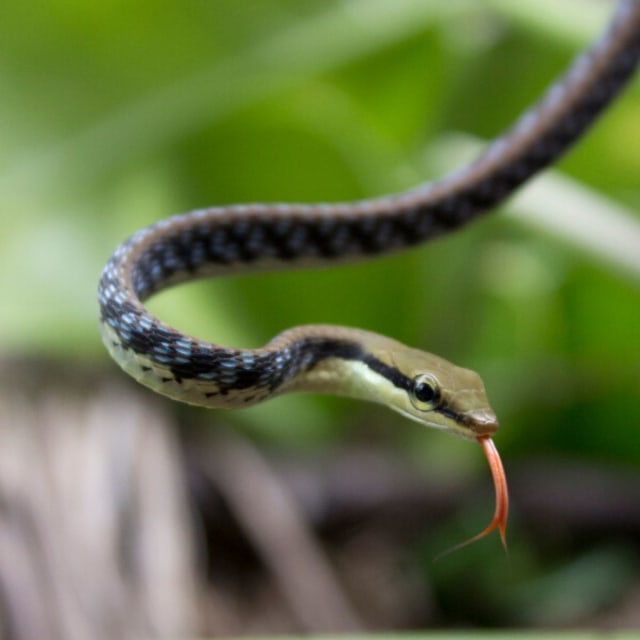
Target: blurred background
pixel 123 514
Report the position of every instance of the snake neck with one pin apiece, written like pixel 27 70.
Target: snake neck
pixel 342 361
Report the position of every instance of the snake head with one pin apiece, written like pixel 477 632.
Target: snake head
pixel 433 391
pixel 417 384
pixel 450 398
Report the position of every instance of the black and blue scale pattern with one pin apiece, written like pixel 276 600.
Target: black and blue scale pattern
pixel 185 254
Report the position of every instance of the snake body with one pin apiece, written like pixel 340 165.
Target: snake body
pixel 256 237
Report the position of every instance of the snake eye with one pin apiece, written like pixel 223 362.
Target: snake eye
pixel 425 394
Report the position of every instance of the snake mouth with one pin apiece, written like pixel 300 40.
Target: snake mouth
pixel 482 423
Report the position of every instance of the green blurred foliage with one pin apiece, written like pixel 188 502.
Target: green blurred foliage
pixel 115 115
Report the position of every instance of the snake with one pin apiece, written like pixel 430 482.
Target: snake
pixel 337 360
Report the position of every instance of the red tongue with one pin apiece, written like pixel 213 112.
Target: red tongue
pixel 501 512
pixel 502 494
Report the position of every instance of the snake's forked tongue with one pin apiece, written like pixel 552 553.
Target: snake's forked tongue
pixel 501 512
